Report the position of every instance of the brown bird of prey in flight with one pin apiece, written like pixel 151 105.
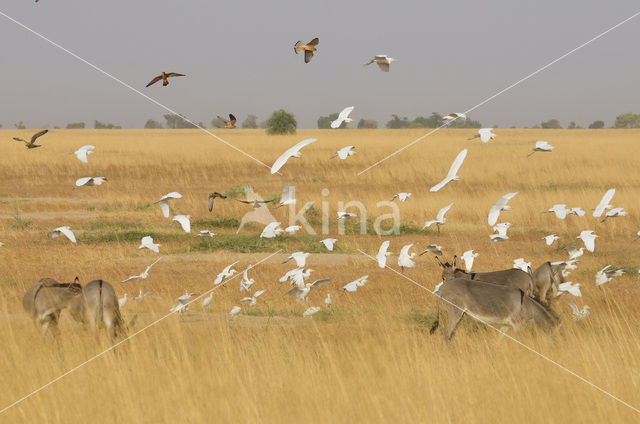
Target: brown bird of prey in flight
pixel 231 123
pixel 31 144
pixel 308 48
pixel 212 197
pixel 165 78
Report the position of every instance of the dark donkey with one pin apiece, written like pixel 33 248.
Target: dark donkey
pixel 98 307
pixel 45 300
pixel 508 277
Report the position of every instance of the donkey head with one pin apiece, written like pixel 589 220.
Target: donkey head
pixel 448 269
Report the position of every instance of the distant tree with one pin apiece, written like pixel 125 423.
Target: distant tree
pixel 627 120
pixel 217 122
pixel 596 125
pixel 56 127
pixel 177 121
pixel 465 123
pixel 572 125
pixel 397 122
pixel 0 125
pixel 281 122
pixel 20 126
pixel 75 126
pixel 432 121
pixel 368 123
pixel 151 124
pixel 324 122
pixel 251 121
pixel 102 126
pixel 551 124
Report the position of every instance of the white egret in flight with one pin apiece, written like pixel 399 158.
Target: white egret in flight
pixel 292 152
pixel 452 175
pixel 343 117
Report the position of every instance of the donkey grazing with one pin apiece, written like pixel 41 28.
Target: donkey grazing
pixel 489 303
pixel 45 300
pixel 508 277
pixel 98 307
pixel 546 279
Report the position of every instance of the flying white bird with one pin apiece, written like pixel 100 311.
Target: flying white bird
pixel 251 301
pixel 235 311
pixel 225 273
pixel 404 260
pixel 288 196
pixel 501 205
pixel 164 202
pixel 301 293
pixel 144 275
pixel 604 203
pixel 184 221
pixel 432 248
pixel 447 119
pixel 569 287
pixel 292 229
pixel 353 286
pixel 296 276
pixel 614 213
pixel 90 181
pixel 574 253
pixel 299 257
pixel 578 314
pixel 246 282
pixel 345 215
pixel 588 237
pixel 207 300
pixel 382 254
pixel 328 243
pixel 440 219
pixel 344 153
pixel 383 61
pixel 559 210
pixel 468 258
pixel 147 242
pixel 401 196
pixel 541 146
pixel 292 152
pixel 310 311
pixel 521 264
pixel 484 134
pixel 567 266
pixel 272 230
pixel 436 289
pixel 327 300
pixel 122 301
pixel 64 230
pixel 501 231
pixel 204 233
pixel 605 275
pixel 83 151
pixel 452 175
pixel 550 239
pixel 577 211
pixel 343 117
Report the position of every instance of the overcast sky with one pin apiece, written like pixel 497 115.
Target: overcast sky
pixel 238 57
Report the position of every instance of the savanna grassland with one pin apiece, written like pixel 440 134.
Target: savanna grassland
pixel 369 358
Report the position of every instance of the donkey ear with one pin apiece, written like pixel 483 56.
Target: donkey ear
pixel 439 263
pixel 455 262
pixel 77 280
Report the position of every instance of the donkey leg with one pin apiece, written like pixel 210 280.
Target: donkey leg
pixel 454 315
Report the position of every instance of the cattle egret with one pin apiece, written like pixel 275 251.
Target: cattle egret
pixel 231 123
pixel 501 230
pixel 308 48
pixel 31 144
pixel 142 276
pixel 604 203
pixel 569 287
pixel 447 119
pixel 122 301
pixel 605 275
pixel 550 239
pixel 235 311
pixel 521 264
pixel 207 300
pixel 574 253
pixel 310 311
pixel 452 175
pixel 204 233
pixel 432 248
pixel 440 219
pixel 211 198
pixel 383 61
pixel 184 221
pixel 164 202
pixel 401 196
pixel 327 300
pixel 614 213
pixel 468 258
pixel 251 301
pixel 299 257
pixel 142 296
pixel 1 244
pixel 90 181
pixel 83 151
pixel 484 134
pixel 577 211
pixel 567 266
pixel 345 215
pixel 272 230
pixel 288 196
pixel 301 293
pixel 436 289
pixel 164 77
pixel 296 276
pixel 147 243
pixel 588 237
pixel 501 205
pixel 559 210
pixel 541 146
pixel 353 286
pixel 578 314
pixel 343 117
pixel 225 273
pixel 344 153
pixel 328 243
pixel 246 282
pixel 292 152
pixel 404 260
pixel 292 229
pixel 382 254
pixel 66 231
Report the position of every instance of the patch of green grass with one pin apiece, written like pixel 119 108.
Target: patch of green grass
pixel 251 243
pixel 129 236
pixel 235 191
pixel 112 225
pixel 19 222
pixel 216 223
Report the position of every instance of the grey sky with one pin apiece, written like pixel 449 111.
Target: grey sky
pixel 239 58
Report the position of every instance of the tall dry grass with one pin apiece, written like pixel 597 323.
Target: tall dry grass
pixel 370 358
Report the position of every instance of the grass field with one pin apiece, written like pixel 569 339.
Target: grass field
pixel 370 357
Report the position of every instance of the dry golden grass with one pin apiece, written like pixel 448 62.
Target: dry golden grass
pixel 370 358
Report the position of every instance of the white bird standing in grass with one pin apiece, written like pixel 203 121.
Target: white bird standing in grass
pixel 246 282
pixel 604 203
pixel 147 243
pixel 288 196
pixel 301 293
pixel 485 134
pixel 501 205
pixel 83 151
pixel 588 237
pixel 144 275
pixel 541 146
pixel 578 314
pixel 251 301
pixel 184 221
pixel 343 117
pixel 569 287
pixel 468 257
pixel 328 243
pixel 292 152
pixel 401 196
pixel 122 301
pixel 550 239
pixel 382 60
pixel 405 259
pixel 164 202
pixel 440 219
pixel 235 311
pixel 310 311
pixel 353 286
pixel 344 153
pixel 520 263
pixel 382 254
pixel 225 273
pixel 299 257
pixel 501 231
pixel 452 175
pixel 66 231
pixel 90 181
pixel 327 300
